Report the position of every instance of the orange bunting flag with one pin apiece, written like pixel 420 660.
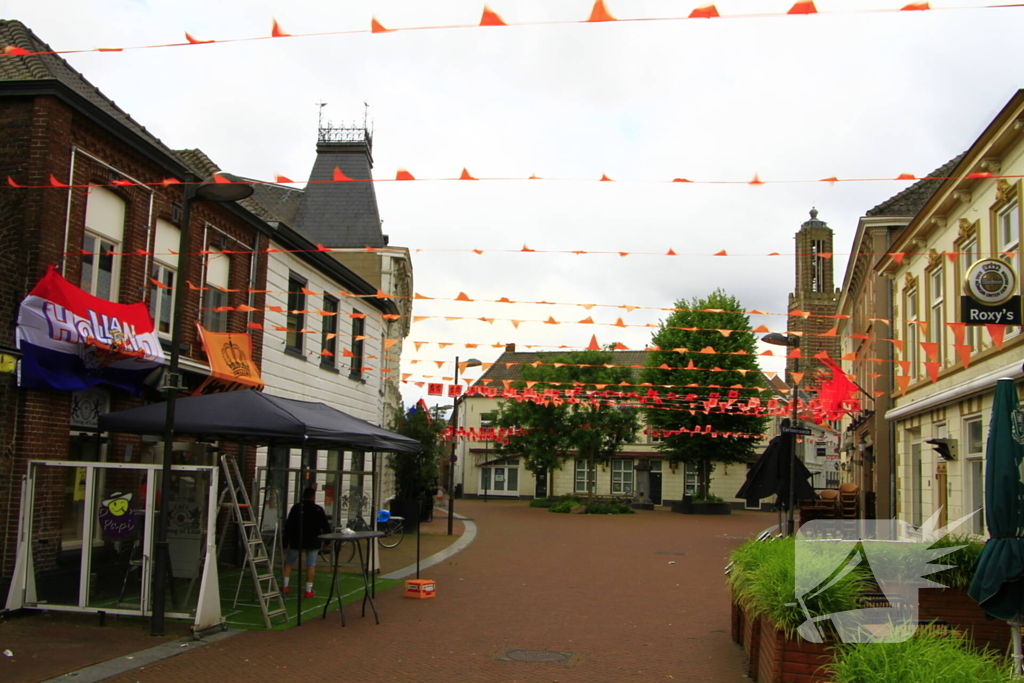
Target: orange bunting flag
pixel 756 180
pixel 958 331
pixel 593 346
pixel 15 51
pixel 403 175
pixel 10 181
pixel 491 18
pixel 376 27
pixel 195 41
pixel 903 381
pixel 670 252
pixel 599 13
pixel 705 12
pixel 915 7
pixel 56 183
pixel 551 321
pixel 996 332
pixel 933 369
pixel 340 177
pixel 218 178
pixel 831 333
pixel 906 176
pixel 898 257
pixel 277 32
pixel 618 323
pixel 526 248
pixel 462 297
pixel 831 181
pixel 621 347
pixel 381 294
pixel 964 352
pixel 254 326
pixel 931 350
pixel 722 253
pixel 465 175
pixel 798 377
pixel 681 180
pixel 282 179
pixel 806 7
pixel 586 321
pixel 761 330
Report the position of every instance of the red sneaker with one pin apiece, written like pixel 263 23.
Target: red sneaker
pixel 309 594
pixel 287 590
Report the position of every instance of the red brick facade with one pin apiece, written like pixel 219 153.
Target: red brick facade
pixel 39 137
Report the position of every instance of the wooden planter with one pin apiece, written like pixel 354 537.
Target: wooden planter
pixel 781 660
pixel 954 606
pixel 690 508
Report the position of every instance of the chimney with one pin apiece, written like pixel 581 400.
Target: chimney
pixel 510 348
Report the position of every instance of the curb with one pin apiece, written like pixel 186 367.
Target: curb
pixel 143 658
pixel 467 537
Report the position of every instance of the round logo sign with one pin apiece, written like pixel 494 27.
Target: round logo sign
pixel 990 282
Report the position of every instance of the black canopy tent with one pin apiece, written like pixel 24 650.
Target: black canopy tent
pixel 255 418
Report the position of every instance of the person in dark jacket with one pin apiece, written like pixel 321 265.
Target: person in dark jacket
pixel 306 521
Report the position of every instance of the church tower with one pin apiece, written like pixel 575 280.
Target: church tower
pixel 815 294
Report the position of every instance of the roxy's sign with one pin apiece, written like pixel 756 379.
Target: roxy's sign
pixel 991 294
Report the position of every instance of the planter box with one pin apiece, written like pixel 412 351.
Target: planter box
pixel 953 605
pixel 781 660
pixel 707 509
pixel 750 635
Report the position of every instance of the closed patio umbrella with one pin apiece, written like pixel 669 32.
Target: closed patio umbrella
pixel 998 584
pixel 769 475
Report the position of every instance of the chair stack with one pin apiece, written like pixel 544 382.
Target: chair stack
pixel 849 501
pixel 823 507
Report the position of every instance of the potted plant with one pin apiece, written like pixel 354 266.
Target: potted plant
pixel 416 474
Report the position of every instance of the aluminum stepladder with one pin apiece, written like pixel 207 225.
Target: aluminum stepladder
pixel 260 563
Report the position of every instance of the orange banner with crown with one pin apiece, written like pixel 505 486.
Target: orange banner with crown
pixel 231 364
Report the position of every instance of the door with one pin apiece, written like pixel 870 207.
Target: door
pixel 940 491
pixel 541 489
pixel 655 488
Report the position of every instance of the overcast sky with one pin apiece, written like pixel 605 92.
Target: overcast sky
pixel 788 97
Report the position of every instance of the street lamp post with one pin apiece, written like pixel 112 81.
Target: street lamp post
pixel 471 363
pixel 789 341
pixel 231 191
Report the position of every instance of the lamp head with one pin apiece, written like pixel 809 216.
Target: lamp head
pixel 232 191
pixel 777 339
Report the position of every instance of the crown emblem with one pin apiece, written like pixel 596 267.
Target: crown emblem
pixel 236 359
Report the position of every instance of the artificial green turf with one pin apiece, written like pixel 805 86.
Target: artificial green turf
pixel 246 613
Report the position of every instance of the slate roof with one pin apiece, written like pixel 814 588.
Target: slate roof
pixel 341 214
pixel 500 371
pixel 43 68
pixel 911 200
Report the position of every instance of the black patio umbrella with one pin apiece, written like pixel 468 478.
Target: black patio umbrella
pixel 998 583
pixel 770 475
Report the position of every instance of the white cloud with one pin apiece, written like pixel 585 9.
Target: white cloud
pixel 852 95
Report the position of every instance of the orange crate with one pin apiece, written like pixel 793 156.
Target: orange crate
pixel 420 589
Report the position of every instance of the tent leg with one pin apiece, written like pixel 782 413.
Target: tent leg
pixel 1018 656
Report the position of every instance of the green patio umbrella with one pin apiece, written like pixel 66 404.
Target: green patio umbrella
pixel 998 584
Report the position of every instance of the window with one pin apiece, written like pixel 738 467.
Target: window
pixel 218 272
pixel 501 477
pixel 584 476
pixel 329 333
pixel 969 253
pixel 358 328
pixel 1008 233
pixel 296 319
pixel 161 299
pixel 916 477
pixel 690 479
pixel 974 462
pixel 622 475
pixel 910 349
pixel 104 234
pixel 937 324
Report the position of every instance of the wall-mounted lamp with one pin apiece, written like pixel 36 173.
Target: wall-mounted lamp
pixel 673 466
pixel 862 445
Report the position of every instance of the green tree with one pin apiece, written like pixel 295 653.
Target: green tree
pixel 588 425
pixel 416 473
pixel 687 331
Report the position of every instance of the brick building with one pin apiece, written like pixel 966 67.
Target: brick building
pixel 83 206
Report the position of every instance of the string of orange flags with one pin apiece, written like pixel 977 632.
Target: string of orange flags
pixel 490 19
pixel 403 175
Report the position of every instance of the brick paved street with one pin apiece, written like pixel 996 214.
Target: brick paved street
pixel 601 587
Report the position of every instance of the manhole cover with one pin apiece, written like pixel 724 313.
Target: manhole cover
pixel 665 552
pixel 512 654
